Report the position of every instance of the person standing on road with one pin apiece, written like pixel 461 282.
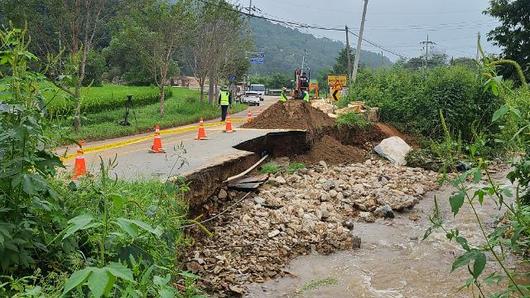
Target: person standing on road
pixel 306 96
pixel 283 96
pixel 225 100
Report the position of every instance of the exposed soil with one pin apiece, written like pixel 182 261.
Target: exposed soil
pixel 293 114
pixel 389 131
pixel 332 151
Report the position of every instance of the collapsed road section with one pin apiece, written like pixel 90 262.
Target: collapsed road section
pixel 252 237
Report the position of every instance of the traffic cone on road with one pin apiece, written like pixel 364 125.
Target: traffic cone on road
pixel 157 142
pixel 202 132
pixel 249 117
pixel 80 164
pixel 228 128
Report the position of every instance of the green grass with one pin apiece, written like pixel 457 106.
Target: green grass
pixel 103 125
pixel 295 167
pixel 97 99
pixel 353 120
pixel 270 168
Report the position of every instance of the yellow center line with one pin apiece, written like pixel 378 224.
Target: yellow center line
pixel 131 141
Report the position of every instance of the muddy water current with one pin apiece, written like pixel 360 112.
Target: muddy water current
pixel 393 260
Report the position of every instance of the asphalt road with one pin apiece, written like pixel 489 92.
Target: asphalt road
pixel 183 154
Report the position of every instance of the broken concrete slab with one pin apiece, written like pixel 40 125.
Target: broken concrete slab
pixel 394 149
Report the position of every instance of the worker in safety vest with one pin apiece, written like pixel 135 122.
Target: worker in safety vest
pixel 225 100
pixel 306 96
pixel 283 96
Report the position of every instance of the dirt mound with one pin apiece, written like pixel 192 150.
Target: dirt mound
pixel 390 131
pixel 332 151
pixel 294 114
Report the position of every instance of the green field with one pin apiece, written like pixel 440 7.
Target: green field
pixel 182 107
pixel 97 99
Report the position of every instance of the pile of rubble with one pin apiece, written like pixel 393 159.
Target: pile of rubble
pixel 312 210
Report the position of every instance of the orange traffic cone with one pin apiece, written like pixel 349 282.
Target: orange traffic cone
pixel 80 164
pixel 157 142
pixel 249 117
pixel 202 132
pixel 228 128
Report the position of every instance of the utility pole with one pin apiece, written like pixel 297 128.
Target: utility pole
pixel 427 44
pixel 359 44
pixel 249 9
pixel 382 59
pixel 348 51
pixel 478 47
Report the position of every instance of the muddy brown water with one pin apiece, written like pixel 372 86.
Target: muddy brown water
pixel 393 260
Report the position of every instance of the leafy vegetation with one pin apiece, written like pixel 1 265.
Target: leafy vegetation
pixel 102 125
pixel 512 234
pixel 412 99
pixel 270 168
pixel 512 32
pixel 97 237
pixel 353 120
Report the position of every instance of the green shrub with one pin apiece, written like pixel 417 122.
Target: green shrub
pixel 412 99
pixel 353 120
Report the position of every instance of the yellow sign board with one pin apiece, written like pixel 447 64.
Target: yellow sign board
pixel 336 81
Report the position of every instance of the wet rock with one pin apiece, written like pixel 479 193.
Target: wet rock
pixel 384 211
pixel 356 242
pixel 259 200
pixel 367 217
pixel 222 194
pixel 280 180
pixel 348 224
pixel 394 149
pixel 273 234
pixel 328 185
pixel 323 164
pixel 324 197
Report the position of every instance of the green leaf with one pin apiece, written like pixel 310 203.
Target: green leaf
pixel 456 202
pixel 76 279
pixel 28 186
pixel 479 264
pixel 127 227
pixel 463 260
pixel 120 271
pixel 500 113
pixel 78 223
pixel 117 200
pixel 126 223
pixel 98 281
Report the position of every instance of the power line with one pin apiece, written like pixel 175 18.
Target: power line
pixel 379 46
pixel 302 25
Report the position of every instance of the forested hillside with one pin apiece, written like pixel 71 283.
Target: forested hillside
pixel 284 49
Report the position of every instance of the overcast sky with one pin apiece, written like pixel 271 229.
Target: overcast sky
pixel 399 25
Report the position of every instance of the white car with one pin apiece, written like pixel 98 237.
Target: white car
pixel 251 98
pixel 259 89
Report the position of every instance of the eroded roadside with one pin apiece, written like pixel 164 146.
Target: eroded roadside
pixel 393 260
pixel 316 210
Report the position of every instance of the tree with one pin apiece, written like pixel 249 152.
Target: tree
pixel 219 42
pixel 158 29
pixel 341 66
pixel 513 34
pixel 64 32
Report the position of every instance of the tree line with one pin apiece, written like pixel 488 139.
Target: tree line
pixel 84 42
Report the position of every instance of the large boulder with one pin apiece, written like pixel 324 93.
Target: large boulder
pixel 394 149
